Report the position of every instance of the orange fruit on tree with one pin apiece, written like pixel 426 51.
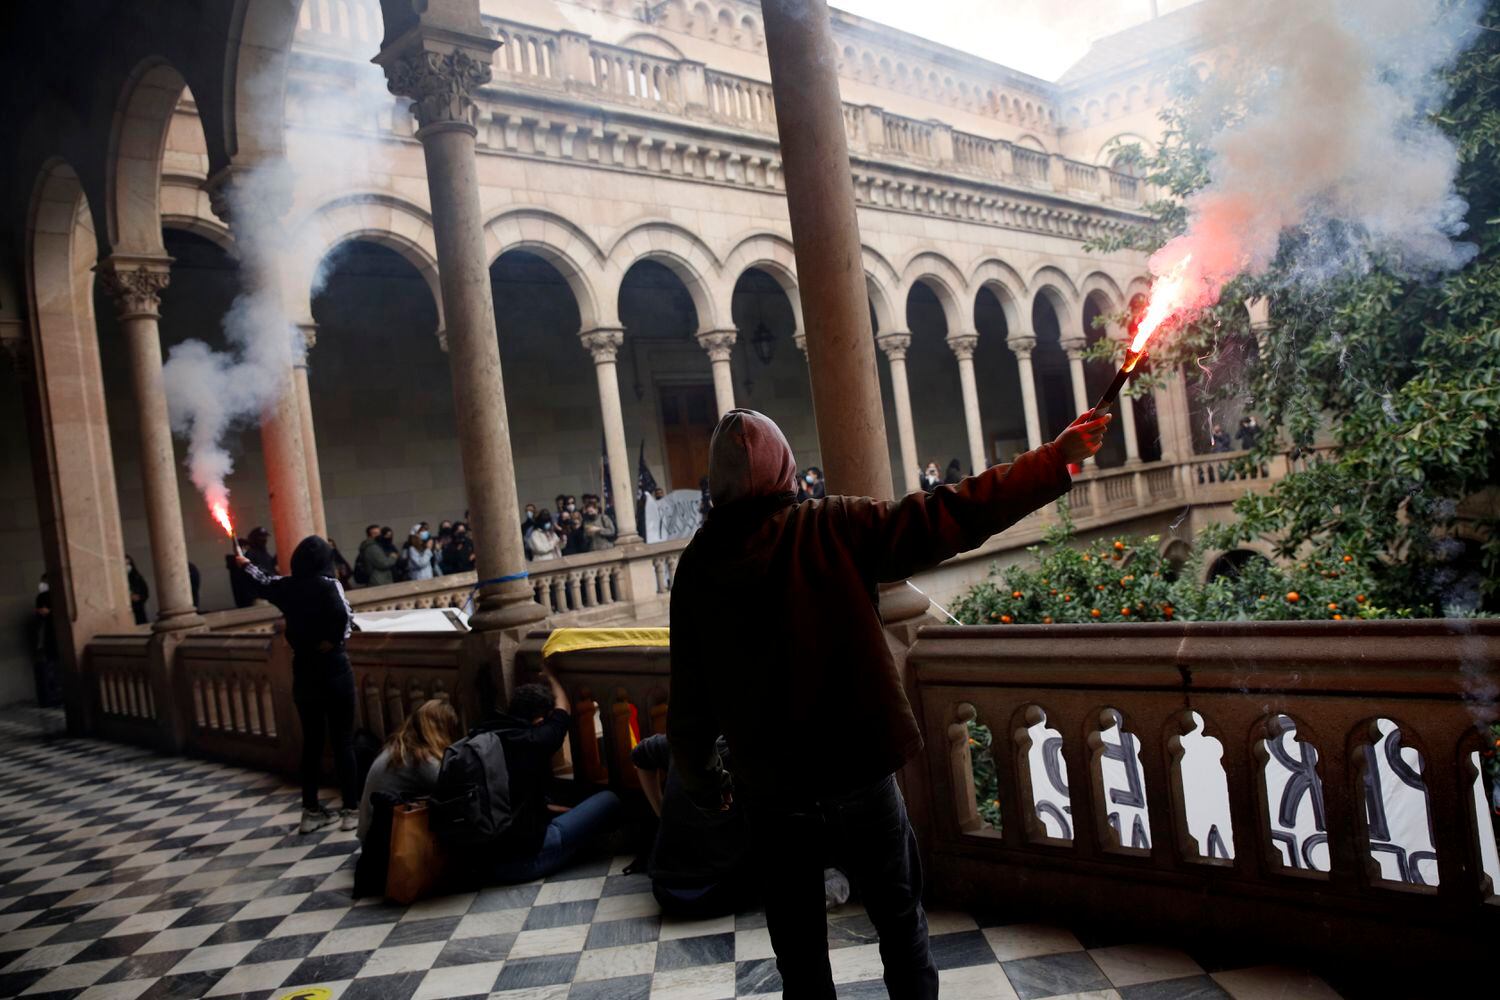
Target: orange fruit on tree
pixel 1095 613
pixel 1046 619
pixel 1125 611
pixel 1005 619
pixel 1016 594
pixel 1348 559
pixel 1360 598
pixel 1338 618
pixel 1293 596
pixel 1119 546
pixel 1332 606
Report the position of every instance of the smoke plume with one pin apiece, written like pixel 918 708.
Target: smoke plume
pixel 1334 147
pixel 337 139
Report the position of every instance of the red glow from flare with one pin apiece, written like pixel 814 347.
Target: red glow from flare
pixel 1169 295
pixel 220 511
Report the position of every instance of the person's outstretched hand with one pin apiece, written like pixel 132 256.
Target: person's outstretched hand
pixel 1083 437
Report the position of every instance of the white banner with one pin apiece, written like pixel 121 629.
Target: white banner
pixel 675 515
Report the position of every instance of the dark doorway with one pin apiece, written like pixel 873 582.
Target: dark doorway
pixel 687 422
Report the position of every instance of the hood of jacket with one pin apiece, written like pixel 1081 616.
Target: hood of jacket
pixel 313 556
pixel 749 459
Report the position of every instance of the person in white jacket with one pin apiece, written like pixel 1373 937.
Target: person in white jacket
pixel 544 539
pixel 421 559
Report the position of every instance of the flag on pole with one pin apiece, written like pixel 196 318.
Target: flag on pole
pixel 645 482
pixel 607 490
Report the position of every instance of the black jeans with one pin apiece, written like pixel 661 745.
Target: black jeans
pixel 869 833
pixel 325 704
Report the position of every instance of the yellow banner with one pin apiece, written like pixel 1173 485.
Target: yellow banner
pixel 566 640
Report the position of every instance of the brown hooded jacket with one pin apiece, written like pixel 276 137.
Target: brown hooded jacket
pixel 776 636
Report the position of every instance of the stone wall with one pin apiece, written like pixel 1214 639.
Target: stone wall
pixel 20 540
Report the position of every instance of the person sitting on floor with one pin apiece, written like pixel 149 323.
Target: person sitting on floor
pixel 700 863
pixel 408 764
pixel 541 840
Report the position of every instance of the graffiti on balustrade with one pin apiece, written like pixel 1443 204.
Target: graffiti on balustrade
pixel 1395 799
pixel 676 515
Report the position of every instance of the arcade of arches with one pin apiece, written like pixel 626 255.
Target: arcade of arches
pixel 639 264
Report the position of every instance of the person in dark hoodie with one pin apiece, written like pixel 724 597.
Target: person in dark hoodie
pixel 774 616
pixel 317 626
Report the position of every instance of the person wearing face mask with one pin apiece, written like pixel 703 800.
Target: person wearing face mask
pixel 570 526
pixel 955 473
pixel 418 554
pixel 598 528
pixel 813 481
pixel 930 478
pixel 543 542
pixel 459 556
pixel 528 525
pixel 379 556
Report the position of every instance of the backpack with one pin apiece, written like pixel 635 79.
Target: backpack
pixel 471 805
pixel 361 570
pixel 401 572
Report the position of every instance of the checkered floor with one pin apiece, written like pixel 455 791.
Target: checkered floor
pixel 125 875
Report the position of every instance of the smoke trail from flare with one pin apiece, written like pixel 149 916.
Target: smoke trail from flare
pixel 1334 147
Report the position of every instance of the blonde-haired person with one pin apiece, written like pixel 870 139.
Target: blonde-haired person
pixel 408 763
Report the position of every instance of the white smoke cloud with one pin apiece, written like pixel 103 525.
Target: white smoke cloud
pixel 331 149
pixel 1334 146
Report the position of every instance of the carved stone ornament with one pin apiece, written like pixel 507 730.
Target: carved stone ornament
pixel 718 343
pixel 136 289
pixel 963 345
pixel 894 345
pixel 603 344
pixel 1022 347
pixel 441 85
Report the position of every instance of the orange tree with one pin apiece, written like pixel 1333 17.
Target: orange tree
pixel 1127 579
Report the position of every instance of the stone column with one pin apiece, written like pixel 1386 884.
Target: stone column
pixel 825 236
pixel 136 284
pixel 1022 347
pixel 309 439
pixel 1127 425
pixel 604 344
pixel 894 345
pixel 439 65
pixel 1074 350
pixel 720 347
pixel 963 346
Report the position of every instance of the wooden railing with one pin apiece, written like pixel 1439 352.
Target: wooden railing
pixel 1117 745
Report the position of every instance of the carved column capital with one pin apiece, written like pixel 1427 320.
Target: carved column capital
pixel 718 343
pixel 603 344
pixel 1021 347
pixel 266 185
pixel 441 84
pixel 309 332
pixel 1074 347
pixel 894 344
pixel 963 344
pixel 135 283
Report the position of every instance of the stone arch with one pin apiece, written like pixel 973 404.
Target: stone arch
pixel 1110 148
pixel 1214 559
pixel 945 281
pixel 1008 287
pixel 681 252
pixel 138 137
pixel 378 219
pixel 186 208
pixel 83 540
pixel 1029 141
pixel 1058 289
pixel 768 252
pixel 1100 284
pixel 653 45
pixel 561 244
pixel 883 281
pixel 255 65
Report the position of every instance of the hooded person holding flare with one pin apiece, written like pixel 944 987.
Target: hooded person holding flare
pixel 776 637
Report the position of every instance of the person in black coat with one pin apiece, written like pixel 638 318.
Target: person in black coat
pixel 318 621
pixel 139 592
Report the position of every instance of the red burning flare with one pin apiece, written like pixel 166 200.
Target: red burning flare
pixel 220 511
pixel 1169 295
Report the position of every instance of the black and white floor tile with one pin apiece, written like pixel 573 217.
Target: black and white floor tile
pixel 126 875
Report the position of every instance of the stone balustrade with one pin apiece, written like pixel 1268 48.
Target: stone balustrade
pixel 1115 745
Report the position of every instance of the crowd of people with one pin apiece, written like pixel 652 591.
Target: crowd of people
pixel 745 813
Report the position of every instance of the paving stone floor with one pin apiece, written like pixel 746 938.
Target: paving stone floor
pixel 126 875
